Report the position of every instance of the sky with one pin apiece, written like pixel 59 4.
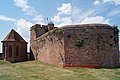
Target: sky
pixel 20 15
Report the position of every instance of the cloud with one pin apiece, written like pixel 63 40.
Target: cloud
pixel 29 10
pixel 38 18
pixel 97 2
pixel 65 21
pixel 66 14
pixel 96 19
pixel 65 9
pixel 56 19
pixel 5 18
pixel 23 4
pixel 22 25
pixel 72 15
pixel 117 2
pixel 82 15
pixel 63 15
pixel 23 28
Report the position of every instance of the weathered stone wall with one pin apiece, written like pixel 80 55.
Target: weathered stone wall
pixel 50 48
pixel 36 31
pixel 99 47
pixel 22 54
pixel 33 49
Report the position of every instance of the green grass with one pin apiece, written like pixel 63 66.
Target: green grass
pixel 35 70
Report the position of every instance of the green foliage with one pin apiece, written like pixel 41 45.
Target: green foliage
pixel 115 27
pixel 59 31
pixel 79 42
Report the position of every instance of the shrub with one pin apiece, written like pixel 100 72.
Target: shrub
pixel 58 30
pixel 115 27
pixel 79 42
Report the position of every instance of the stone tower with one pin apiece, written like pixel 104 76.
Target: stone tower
pixel 14 47
pixel 50 26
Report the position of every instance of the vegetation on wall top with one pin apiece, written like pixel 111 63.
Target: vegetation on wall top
pixel 58 31
pixel 115 27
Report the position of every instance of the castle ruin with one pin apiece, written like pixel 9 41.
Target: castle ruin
pixel 85 45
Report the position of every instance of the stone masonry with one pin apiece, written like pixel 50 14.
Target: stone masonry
pixel 14 48
pixel 86 45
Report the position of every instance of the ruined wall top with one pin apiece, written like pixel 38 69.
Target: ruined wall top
pixel 49 25
pixel 40 32
pixel 104 26
pixel 35 26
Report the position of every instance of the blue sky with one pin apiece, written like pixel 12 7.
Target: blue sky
pixel 22 14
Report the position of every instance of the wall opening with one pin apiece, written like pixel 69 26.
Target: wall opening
pixel 17 51
pixel 10 51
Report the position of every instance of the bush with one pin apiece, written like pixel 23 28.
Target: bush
pixel 79 42
pixel 115 27
pixel 58 30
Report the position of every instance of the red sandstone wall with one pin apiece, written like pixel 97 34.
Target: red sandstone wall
pixel 33 35
pixel 22 51
pixel 50 48
pixel 33 46
pixel 98 50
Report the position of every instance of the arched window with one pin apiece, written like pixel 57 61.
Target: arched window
pixel 17 51
pixel 10 51
pixel 3 54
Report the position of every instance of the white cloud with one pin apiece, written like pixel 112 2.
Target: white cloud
pixel 38 18
pixel 29 10
pixel 97 2
pixel 56 19
pixel 76 16
pixel 23 4
pixel 117 2
pixel 96 19
pixel 22 25
pixel 65 9
pixel 23 28
pixel 5 18
pixel 67 14
pixel 63 15
pixel 65 21
pixel 62 21
pixel 80 16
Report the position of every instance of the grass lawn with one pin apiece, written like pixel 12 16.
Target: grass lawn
pixel 35 70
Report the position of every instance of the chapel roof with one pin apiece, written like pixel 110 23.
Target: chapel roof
pixel 13 36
